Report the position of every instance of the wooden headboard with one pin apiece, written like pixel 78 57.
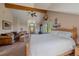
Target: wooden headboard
pixel 72 30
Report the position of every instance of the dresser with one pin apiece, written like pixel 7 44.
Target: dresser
pixel 4 40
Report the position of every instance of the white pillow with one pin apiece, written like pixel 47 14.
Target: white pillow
pixel 54 32
pixel 62 34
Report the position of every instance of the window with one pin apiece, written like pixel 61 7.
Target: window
pixel 31 26
pixel 47 26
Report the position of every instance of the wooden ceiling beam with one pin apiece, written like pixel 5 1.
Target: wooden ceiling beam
pixel 25 8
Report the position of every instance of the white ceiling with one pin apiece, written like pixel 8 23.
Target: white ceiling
pixel 72 8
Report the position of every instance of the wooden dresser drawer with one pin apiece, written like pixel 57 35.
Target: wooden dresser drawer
pixel 4 40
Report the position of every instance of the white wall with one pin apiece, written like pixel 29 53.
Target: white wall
pixel 66 20
pixel 21 18
pixel 18 18
pixel 5 15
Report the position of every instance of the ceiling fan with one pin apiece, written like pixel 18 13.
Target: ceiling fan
pixel 33 14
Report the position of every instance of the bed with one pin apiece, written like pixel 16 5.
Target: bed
pixel 52 45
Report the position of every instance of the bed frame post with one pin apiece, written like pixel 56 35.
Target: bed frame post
pixel 75 34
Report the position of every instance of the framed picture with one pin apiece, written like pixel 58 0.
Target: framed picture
pixel 6 25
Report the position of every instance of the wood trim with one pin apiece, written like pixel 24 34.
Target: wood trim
pixel 25 8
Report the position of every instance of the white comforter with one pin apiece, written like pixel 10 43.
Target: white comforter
pixel 50 45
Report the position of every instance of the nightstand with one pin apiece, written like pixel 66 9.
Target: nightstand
pixel 77 50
